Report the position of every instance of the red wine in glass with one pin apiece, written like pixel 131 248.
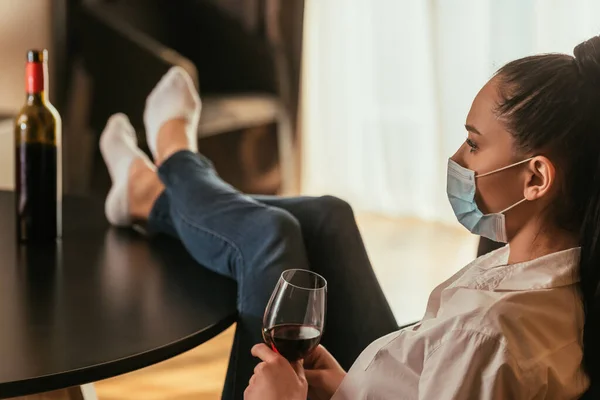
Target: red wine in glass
pixel 295 316
pixel 293 341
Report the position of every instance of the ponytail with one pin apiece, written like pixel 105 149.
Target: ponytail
pixel 587 60
pixel 589 280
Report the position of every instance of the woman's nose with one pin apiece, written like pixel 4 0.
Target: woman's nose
pixel 458 157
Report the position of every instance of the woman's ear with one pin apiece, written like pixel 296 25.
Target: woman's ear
pixel 540 178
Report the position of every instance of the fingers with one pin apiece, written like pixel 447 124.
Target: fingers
pixel 264 353
pixel 298 367
pixel 257 370
pixel 316 358
pixel 249 393
pixel 313 377
pixel 259 367
pixel 321 351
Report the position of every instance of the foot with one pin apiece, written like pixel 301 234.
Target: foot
pixel 125 163
pixel 173 98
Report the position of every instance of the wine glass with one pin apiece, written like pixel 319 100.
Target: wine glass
pixel 295 316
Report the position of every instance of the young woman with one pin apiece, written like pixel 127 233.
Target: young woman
pixel 519 323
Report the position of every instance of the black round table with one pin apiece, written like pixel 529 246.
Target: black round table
pixel 99 303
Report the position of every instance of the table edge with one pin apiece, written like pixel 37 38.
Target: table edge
pixel 114 368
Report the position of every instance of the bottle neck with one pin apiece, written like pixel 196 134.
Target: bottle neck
pixel 34 99
pixel 34 83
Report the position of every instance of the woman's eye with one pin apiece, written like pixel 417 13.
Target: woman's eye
pixel 472 145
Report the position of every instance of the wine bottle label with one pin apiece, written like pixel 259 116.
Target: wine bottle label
pixel 34 77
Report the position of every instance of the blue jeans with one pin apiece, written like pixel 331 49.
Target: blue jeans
pixel 254 239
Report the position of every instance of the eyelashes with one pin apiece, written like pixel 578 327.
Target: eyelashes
pixel 472 145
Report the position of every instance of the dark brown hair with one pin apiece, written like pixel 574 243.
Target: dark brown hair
pixel 550 103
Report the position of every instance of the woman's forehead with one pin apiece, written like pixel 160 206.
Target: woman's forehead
pixel 482 114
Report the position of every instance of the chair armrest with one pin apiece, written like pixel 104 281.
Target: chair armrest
pixel 123 62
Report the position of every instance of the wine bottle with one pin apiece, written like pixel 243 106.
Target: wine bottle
pixel 38 169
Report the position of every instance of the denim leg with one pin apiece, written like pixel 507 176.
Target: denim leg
pixel 335 250
pixel 160 220
pixel 358 312
pixel 233 235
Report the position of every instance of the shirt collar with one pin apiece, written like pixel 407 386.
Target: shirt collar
pixel 550 271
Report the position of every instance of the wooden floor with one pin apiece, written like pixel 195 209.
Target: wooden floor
pixel 196 375
pixel 410 258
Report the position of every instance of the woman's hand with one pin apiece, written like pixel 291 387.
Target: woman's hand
pixel 323 373
pixel 275 378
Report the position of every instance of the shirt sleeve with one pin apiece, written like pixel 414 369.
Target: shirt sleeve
pixel 472 365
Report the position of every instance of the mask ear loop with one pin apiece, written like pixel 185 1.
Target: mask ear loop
pixel 503 168
pixel 513 206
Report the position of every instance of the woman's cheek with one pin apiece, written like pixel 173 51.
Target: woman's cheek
pixel 489 195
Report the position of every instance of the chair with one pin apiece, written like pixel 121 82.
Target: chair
pixel 127 45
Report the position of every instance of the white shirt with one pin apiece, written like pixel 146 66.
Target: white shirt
pixel 492 331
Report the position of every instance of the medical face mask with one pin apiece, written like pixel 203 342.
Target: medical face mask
pixel 461 193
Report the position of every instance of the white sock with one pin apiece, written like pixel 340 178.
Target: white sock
pixel 118 145
pixel 173 97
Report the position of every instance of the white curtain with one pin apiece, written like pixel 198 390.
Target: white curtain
pixel 387 85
